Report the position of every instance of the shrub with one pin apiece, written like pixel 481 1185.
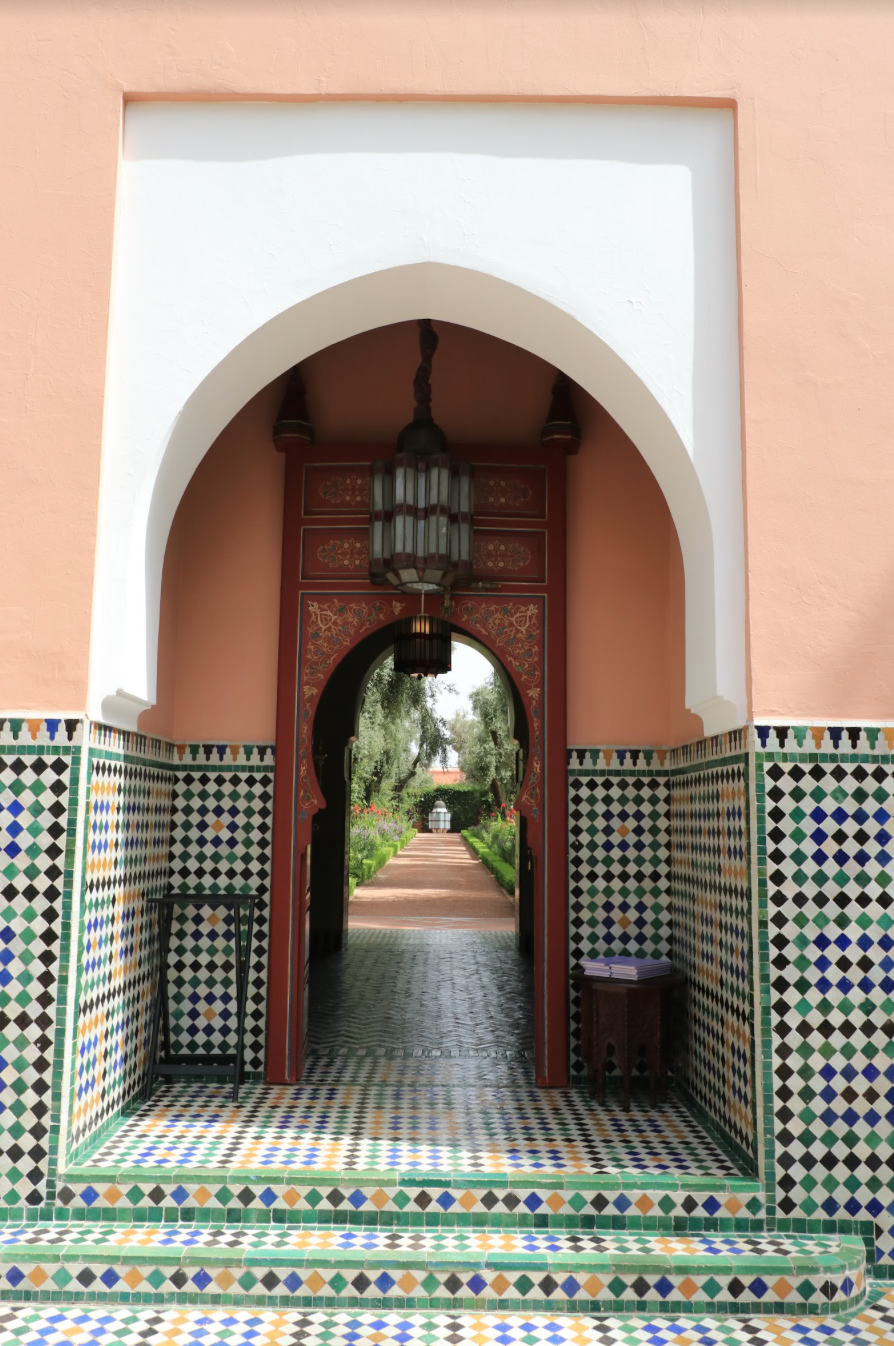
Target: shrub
pixel 503 873
pixel 363 867
pixel 497 829
pixel 372 828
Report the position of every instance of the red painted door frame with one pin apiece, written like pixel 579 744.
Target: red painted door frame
pixel 327 606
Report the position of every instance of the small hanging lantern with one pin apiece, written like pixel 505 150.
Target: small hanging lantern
pixel 422 646
pixel 420 525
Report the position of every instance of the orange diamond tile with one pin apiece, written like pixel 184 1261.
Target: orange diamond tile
pixel 314 1282
pixel 408 1282
pixel 468 1200
pixel 379 1198
pixel 132 1278
pixel 202 1195
pixel 688 1288
pixel 500 1284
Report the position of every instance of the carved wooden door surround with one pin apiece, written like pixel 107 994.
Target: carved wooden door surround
pixel 328 606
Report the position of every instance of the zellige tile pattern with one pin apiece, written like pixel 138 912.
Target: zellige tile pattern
pixel 618 853
pixel 220 843
pixel 60 1325
pixel 461 999
pixel 416 1102
pixel 428 1128
pixel 568 1271
pixel 711 941
pixel 828 819
pixel 126 861
pixel 39 762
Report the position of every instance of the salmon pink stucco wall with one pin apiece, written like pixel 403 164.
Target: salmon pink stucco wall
pixel 219 623
pixel 220 587
pixel 811 92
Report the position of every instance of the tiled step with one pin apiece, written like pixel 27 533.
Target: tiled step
pixel 648 1201
pixel 367 1139
pixel 61 1324
pixel 514 1270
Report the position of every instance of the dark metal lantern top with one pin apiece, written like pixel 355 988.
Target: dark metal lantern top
pixel 420 524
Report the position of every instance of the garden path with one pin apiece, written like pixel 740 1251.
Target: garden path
pixel 436 882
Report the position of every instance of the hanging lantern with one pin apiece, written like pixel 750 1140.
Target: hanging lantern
pixel 420 524
pixel 422 646
pixel 439 818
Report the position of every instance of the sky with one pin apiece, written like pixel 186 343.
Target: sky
pixel 470 670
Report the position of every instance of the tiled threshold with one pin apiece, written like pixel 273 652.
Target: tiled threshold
pixel 520 1270
pixel 419 1199
pixel 395 1147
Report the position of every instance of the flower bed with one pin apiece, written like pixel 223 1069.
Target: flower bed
pixel 493 840
pixel 376 837
pixel 496 829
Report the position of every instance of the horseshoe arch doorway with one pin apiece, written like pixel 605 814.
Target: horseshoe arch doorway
pixel 335 728
pixel 334 622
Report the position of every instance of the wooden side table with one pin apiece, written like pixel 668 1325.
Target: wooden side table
pixel 628 1015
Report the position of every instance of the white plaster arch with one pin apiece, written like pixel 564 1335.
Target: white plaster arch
pixel 217 290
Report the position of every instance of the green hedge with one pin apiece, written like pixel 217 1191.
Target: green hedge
pixel 464 803
pixel 503 873
pixel 380 857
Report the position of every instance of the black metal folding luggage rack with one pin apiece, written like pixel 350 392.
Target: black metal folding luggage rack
pixel 229 1066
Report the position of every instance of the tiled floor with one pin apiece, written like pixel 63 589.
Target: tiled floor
pixel 56 1325
pixel 448 1128
pixel 423 991
pixel 419 1079
pixel 420 1061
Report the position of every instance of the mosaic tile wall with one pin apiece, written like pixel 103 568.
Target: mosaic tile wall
pixel 220 843
pixel 190 816
pixel 658 865
pixel 128 828
pixel 39 770
pixel 618 841
pixel 825 808
pixel 711 940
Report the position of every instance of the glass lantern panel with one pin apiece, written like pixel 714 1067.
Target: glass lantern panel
pixel 377 487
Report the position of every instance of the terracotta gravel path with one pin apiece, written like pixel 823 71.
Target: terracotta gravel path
pixel 436 882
